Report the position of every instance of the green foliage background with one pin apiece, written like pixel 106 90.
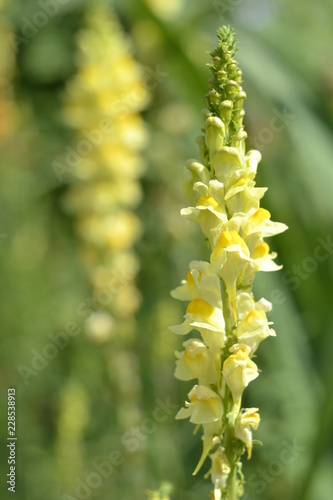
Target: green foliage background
pixel 286 58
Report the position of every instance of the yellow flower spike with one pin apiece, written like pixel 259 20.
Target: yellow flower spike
pixel 215 132
pixel 99 104
pixel 248 419
pixel 102 103
pixel 226 204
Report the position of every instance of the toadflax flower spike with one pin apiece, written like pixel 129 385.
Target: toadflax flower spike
pixel 225 202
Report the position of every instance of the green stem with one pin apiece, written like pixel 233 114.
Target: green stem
pixel 232 481
pixel 232 484
pixel 226 310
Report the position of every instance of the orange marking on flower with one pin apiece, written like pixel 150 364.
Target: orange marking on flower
pixel 241 182
pixel 255 314
pixel 231 238
pixel 190 279
pixel 259 216
pixel 261 251
pixel 208 201
pixel 200 307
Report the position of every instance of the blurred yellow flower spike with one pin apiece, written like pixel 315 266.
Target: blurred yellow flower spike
pixel 163 493
pixel 102 104
pixel 226 204
pixel 249 419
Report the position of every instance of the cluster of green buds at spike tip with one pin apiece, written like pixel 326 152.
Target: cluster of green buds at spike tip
pixel 221 306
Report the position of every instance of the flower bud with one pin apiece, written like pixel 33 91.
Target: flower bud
pixel 225 111
pixel 239 100
pixel 215 132
pixel 232 88
pixel 200 140
pixel 213 97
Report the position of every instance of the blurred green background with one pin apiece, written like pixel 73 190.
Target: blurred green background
pixel 67 420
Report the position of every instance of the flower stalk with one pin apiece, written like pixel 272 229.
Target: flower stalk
pixel 229 323
pixel 103 104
